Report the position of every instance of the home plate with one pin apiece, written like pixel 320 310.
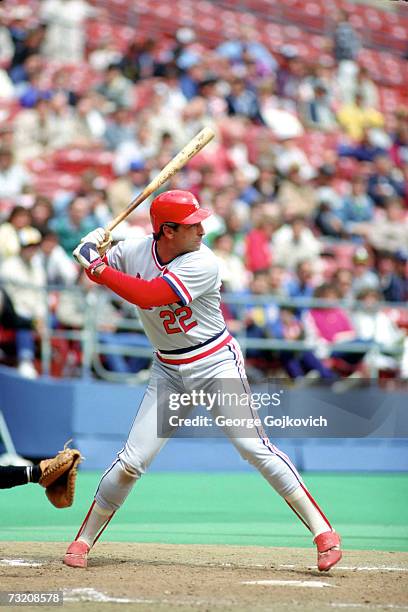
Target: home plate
pixel 311 584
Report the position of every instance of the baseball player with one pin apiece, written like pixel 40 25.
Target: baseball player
pixel 174 281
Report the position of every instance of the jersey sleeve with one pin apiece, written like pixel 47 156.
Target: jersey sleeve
pixel 193 275
pixel 116 256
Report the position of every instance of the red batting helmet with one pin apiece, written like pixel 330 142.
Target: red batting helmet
pixel 176 206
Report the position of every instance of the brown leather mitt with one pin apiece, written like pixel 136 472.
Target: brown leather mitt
pixel 58 476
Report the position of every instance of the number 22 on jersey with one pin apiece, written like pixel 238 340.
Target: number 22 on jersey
pixel 177 321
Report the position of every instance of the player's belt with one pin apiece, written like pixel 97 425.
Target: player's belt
pixel 194 353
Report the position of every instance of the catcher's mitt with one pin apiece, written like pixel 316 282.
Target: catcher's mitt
pixel 58 476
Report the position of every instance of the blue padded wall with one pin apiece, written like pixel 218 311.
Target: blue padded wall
pixel 43 414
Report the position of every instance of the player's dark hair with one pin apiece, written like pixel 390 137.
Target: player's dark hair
pixel 160 233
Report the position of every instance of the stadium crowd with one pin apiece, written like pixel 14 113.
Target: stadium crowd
pixel 307 179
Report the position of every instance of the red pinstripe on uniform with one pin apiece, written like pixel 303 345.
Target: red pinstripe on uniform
pixel 179 285
pixel 104 526
pixel 274 449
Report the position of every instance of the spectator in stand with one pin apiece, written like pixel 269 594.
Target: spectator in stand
pixel 354 118
pixel 317 112
pixel 98 205
pixel 236 225
pixel 302 285
pixel 346 43
pixel 190 78
pixel 343 282
pixel 364 277
pixel 391 284
pixel 185 51
pixel 294 242
pixel 243 180
pixel 297 364
pixel 22 64
pixel 65 117
pixel 18 219
pixel 35 87
pixel 401 270
pixel 243 101
pixel 384 182
pixel 59 267
pixel 234 276
pixel 366 149
pixel 296 197
pixel 6 43
pixel 138 61
pixel 24 281
pixel 328 221
pixel 37 131
pixel 266 184
pixel 160 119
pixel 258 255
pixel 90 124
pixel 61 83
pixel 235 49
pixel 367 88
pixel 24 343
pixel 389 232
pixel 13 177
pixel 27 74
pixel 72 311
pixel 105 53
pixel 116 89
pixel 73 225
pixel 357 206
pixel 329 214
pixel 120 129
pixel 211 90
pixel 224 203
pixel 287 155
pixel 41 213
pixel 123 189
pixel 143 146
pixel 206 185
pixel 6 136
pixel 278 284
pixel 257 317
pixel 328 329
pixel 399 150
pixel 18 27
pixel 7 91
pixel 326 186
pixel 290 73
pixel 373 325
pixel 65 35
pixel 279 114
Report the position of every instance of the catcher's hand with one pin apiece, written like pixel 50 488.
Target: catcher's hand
pixel 58 476
pixel 101 237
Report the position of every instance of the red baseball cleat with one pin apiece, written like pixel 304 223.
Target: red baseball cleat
pixel 77 554
pixel 328 550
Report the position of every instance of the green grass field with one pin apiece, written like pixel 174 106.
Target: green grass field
pixel 370 511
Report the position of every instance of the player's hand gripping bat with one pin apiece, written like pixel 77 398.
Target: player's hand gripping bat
pixel 192 148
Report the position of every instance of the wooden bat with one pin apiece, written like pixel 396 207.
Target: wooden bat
pixel 192 148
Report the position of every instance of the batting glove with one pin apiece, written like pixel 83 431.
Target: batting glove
pixel 98 236
pixel 87 256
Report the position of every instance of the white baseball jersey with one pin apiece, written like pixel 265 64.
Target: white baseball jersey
pixel 192 328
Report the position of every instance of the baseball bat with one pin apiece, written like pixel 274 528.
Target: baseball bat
pixel 192 148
